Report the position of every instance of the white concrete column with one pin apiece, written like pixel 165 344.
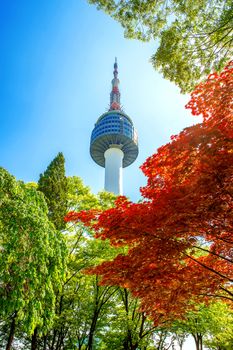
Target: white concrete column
pixel 113 170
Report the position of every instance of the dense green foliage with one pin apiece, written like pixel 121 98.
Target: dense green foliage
pixel 210 325
pixel 53 184
pixel 192 37
pixel 32 259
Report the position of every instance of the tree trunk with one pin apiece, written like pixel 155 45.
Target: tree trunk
pixel 198 341
pixel 92 330
pixel 45 342
pixel 54 338
pixel 34 339
pixel 94 318
pixel 60 340
pixel 91 338
pixel 11 334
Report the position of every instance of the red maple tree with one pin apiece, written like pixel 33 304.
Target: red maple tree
pixel 179 238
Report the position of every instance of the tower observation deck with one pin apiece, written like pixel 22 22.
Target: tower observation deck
pixel 114 141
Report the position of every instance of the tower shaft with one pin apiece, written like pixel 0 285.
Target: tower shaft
pixel 113 170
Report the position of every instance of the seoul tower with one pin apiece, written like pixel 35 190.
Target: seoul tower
pixel 114 142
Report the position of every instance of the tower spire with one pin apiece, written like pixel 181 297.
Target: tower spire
pixel 115 95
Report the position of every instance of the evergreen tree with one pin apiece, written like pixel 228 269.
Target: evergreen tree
pixel 53 184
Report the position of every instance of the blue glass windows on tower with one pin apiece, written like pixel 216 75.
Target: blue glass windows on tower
pixel 114 127
pixel 113 123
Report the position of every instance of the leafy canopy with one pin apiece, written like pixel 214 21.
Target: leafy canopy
pixel 53 184
pixel 193 37
pixel 209 324
pixel 32 256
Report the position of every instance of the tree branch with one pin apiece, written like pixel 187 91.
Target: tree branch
pixel 209 268
pixel 213 253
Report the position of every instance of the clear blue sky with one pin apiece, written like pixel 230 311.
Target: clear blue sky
pixel 56 66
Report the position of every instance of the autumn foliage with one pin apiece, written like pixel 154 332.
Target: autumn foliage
pixel 213 100
pixel 179 237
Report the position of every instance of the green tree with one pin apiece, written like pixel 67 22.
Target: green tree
pixel 220 321
pixel 210 325
pixel 128 328
pixel 192 37
pixel 32 260
pixel 53 184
